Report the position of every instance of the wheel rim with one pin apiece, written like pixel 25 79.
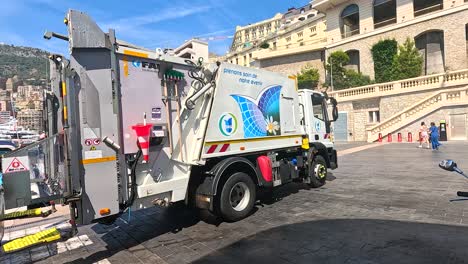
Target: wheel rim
pixel 239 196
pixel 320 171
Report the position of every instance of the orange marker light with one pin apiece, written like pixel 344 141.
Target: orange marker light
pixel 105 211
pixel 242 148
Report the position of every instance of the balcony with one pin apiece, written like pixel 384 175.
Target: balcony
pixel 428 82
pixel 348 34
pixel 385 23
pixel 448 89
pixel 428 9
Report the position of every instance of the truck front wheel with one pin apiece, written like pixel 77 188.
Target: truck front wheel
pixel 237 197
pixel 318 172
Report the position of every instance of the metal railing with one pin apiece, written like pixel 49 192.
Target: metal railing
pixel 385 23
pixel 428 9
pixel 439 99
pixel 348 34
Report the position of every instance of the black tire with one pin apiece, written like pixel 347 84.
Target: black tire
pixel 318 172
pixel 237 197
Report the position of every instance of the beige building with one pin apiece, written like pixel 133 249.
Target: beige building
pixel 439 29
pixel 30 119
pixel 252 34
pixel 285 43
pixel 193 50
pixel 28 91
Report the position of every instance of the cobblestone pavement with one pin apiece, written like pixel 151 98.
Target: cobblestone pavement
pixel 387 204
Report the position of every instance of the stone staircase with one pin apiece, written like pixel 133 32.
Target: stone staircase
pixel 423 83
pixel 442 98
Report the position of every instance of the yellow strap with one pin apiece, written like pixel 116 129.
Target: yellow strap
pixel 45 236
pixel 27 213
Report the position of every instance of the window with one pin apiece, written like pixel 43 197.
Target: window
pixel 354 61
pixel 374 116
pixel 350 21
pixel 310 16
pixel 250 56
pixel 288 39
pixel 318 106
pixel 384 13
pixel 300 34
pixel 466 39
pixel 422 7
pixel 237 61
pixel 313 29
pixel 431 47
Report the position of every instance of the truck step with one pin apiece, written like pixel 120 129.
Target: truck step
pixel 21 243
pixel 26 214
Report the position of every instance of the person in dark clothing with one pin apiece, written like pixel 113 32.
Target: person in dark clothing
pixel 434 132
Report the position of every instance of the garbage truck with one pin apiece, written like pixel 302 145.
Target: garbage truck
pixel 130 127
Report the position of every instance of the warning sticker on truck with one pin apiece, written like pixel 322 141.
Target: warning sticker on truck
pixel 15 164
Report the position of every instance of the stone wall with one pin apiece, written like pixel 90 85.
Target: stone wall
pixel 358 113
pixel 441 114
pixel 390 105
pixel 453 26
pixel 293 64
pixel 361 117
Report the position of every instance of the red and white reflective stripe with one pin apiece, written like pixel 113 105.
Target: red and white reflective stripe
pixel 144 145
pixel 217 148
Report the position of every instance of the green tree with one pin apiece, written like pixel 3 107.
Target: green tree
pixel 308 78
pixel 383 53
pixel 408 62
pixel 343 78
pixel 355 79
pixel 336 70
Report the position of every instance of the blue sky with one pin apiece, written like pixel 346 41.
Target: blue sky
pixel 150 23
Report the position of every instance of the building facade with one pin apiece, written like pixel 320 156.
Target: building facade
pixel 286 43
pixel 31 119
pixel 439 29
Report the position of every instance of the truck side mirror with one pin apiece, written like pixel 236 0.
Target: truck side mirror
pixel 335 109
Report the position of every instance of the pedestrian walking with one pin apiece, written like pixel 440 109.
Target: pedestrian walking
pixel 434 133
pixel 424 135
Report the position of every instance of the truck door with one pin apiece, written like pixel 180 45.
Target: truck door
pixel 319 127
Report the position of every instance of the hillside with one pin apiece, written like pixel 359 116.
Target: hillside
pixel 25 62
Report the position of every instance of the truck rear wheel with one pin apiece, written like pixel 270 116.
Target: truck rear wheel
pixel 237 197
pixel 318 172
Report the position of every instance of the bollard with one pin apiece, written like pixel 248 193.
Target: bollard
pixel 389 137
pixel 400 139
pixel 380 137
pixel 410 137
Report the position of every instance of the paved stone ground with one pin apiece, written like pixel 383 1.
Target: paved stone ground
pixel 388 204
pixel 343 145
